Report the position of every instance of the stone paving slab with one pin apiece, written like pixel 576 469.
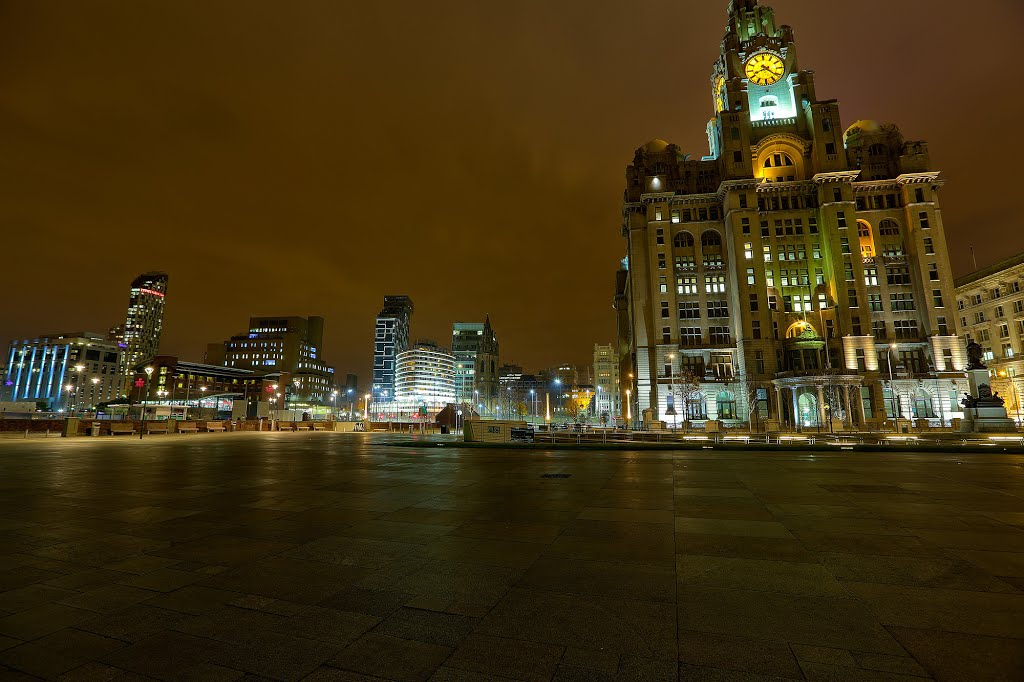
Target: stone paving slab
pixel 332 557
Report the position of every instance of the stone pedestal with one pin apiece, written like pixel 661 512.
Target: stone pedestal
pixel 987 415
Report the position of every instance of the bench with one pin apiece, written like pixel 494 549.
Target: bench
pixel 302 427
pixel 156 427
pixel 319 426
pixel 122 427
pixel 188 427
pixel 214 426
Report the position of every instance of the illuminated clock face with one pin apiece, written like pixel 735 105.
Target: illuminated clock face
pixel 765 68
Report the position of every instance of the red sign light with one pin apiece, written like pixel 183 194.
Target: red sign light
pixel 139 383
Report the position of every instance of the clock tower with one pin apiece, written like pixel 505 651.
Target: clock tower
pixel 782 273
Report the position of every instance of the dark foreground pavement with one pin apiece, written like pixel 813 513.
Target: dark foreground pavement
pixel 333 557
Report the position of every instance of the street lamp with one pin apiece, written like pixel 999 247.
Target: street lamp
pixel 95 381
pixel 672 390
pixel 629 408
pixel 149 384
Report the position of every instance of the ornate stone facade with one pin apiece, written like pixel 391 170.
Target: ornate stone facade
pixel 780 276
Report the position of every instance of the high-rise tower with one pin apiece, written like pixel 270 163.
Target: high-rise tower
pixel 391 337
pixel 781 275
pixel 144 322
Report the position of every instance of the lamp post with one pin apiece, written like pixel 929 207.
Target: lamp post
pixel 95 381
pixel 629 408
pixel 366 407
pixel 892 386
pixel 188 388
pixel 672 389
pixel 68 407
pixel 149 383
pixel 78 383
pixel 202 393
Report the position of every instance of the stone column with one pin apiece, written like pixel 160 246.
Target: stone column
pixel 844 396
pixel 778 406
pixel 821 404
pixel 860 407
pixel 796 409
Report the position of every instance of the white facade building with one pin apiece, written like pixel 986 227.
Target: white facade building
pixel 424 378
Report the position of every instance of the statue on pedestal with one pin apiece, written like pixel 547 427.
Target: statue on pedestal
pixel 975 356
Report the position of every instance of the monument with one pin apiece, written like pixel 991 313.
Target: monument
pixel 983 410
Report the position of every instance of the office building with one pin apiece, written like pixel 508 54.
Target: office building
pixel 193 385
pixel 424 378
pixel 289 346
pixel 990 304
pixel 783 273
pixel 69 372
pixel 391 337
pixel 466 338
pixel 144 322
pixel 606 383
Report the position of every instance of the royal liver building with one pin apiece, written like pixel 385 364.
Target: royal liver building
pixel 796 273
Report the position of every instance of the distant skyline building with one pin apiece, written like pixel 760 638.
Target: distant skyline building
pixel 424 378
pixel 488 379
pixel 391 337
pixel 74 370
pixel 606 382
pixel 144 322
pixel 466 337
pixel 990 302
pixel 288 345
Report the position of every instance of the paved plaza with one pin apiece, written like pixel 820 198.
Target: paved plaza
pixel 338 557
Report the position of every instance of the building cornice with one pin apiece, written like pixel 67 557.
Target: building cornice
pixel 837 176
pixel 864 186
pixel 779 187
pixel 931 177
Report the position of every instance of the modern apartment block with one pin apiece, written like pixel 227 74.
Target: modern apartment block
pixel 425 378
pixel 144 322
pixel 69 372
pixel 990 303
pixel 782 274
pixel 391 337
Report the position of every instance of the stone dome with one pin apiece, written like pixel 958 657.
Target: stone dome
pixel 863 127
pixel 655 146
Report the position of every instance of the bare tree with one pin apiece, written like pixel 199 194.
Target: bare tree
pixel 748 388
pixel 687 389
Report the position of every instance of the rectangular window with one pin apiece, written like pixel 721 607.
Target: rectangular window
pixel 819 276
pixel 718 309
pixel 933 272
pixel 878 329
pixel 663 285
pixel 714 284
pixel 855 322
pixel 686 262
pixel 745 224
pixel 848 272
pixel 996 293
pixel 743 200
pixel 767 250
pixel 664 310
pixel 816 250
pixel 769 277
pixel 713 261
pixel 901 302
pixel 720 335
pixel 979 317
pixel 812 225
pixel 929 248
pixel 690 336
pixel 905 329
pixel 660 236
pixel 657 214
pixel 875 303
pixel 755 329
pixel 919 195
pixel 837 194
pixel 1004 331
pixel 748 250
pixel 923 220
pixel 871 276
pixel 784 277
pixel 1018 307
pixel 841 220
pixel 675 216
pixel 943 327
pixel 764 228
pixel 661 261
pixel 689 310
pixel 937 298
pixel 686 286
pixel 897 275
pixel 753 303
pixel 751 277
pixel 844 245
pixel 851 295
pixel 666 335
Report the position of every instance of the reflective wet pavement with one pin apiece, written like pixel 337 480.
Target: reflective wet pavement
pixel 335 557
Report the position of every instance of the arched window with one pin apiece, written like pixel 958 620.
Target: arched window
pixel 863 229
pixel 683 240
pixel 876 150
pixel 726 405
pixel 778 161
pixel 889 228
pixel 710 239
